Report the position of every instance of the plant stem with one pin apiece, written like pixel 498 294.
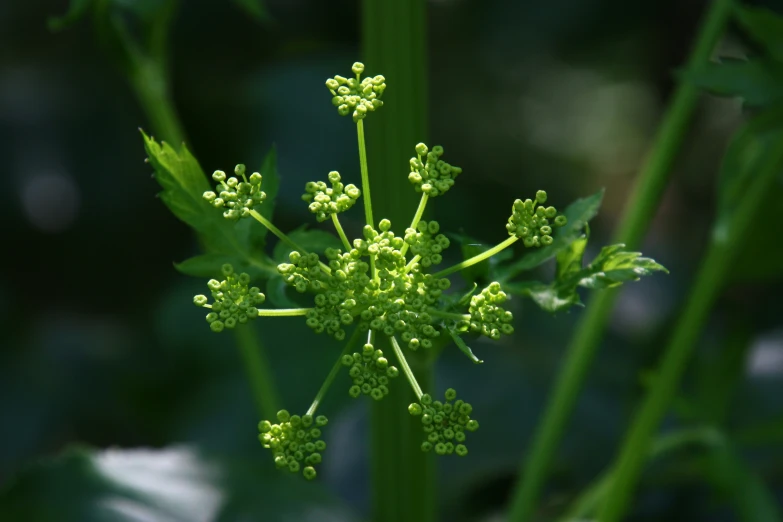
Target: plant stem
pixel 334 371
pixel 416 218
pixel 151 87
pixel 341 232
pixel 258 372
pixel 478 258
pixel 709 283
pixel 406 369
pixel 638 213
pixel 403 478
pixel 282 312
pixel 284 238
pixel 365 174
pixel 415 259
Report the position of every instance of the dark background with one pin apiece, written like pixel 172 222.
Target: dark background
pixel 100 343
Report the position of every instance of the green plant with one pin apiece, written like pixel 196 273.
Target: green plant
pixel 383 285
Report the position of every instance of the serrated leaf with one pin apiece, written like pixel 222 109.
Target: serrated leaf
pixel 613 266
pixel 184 183
pixel 176 484
pixel 464 348
pixel 570 259
pixel 77 9
pixel 312 240
pixel 579 213
pixel 764 26
pixel 758 81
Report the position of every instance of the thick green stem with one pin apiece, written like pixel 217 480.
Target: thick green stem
pixel 258 371
pixel 479 258
pixel 357 333
pixel 393 41
pixel 639 211
pixel 709 283
pixel 416 218
pixel 341 232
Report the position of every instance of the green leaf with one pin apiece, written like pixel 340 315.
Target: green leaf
pixel 464 348
pixel 569 260
pixel 254 8
pixel 208 265
pixel 579 213
pixel 551 298
pixel 76 11
pixel 758 81
pixel 612 267
pixel 277 293
pixel 764 26
pixel 312 240
pixel 175 484
pixel 760 257
pixel 184 184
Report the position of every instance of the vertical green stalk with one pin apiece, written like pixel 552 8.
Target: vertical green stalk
pixel 709 283
pixel 639 211
pixel 151 87
pixel 393 38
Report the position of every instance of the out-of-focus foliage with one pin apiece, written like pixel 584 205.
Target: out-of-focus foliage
pixel 101 346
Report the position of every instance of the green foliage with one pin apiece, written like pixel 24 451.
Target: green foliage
pixel 759 81
pixel 577 214
pixel 612 267
pixel 184 184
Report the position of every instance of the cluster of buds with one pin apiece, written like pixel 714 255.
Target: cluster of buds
pixel 425 241
pixel 432 176
pixel 295 441
pixel 233 302
pixel 353 94
pixel 444 423
pixel 237 196
pixel 370 372
pixel 487 315
pixel 531 222
pixel 326 201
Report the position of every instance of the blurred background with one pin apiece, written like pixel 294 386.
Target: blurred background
pixel 101 346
